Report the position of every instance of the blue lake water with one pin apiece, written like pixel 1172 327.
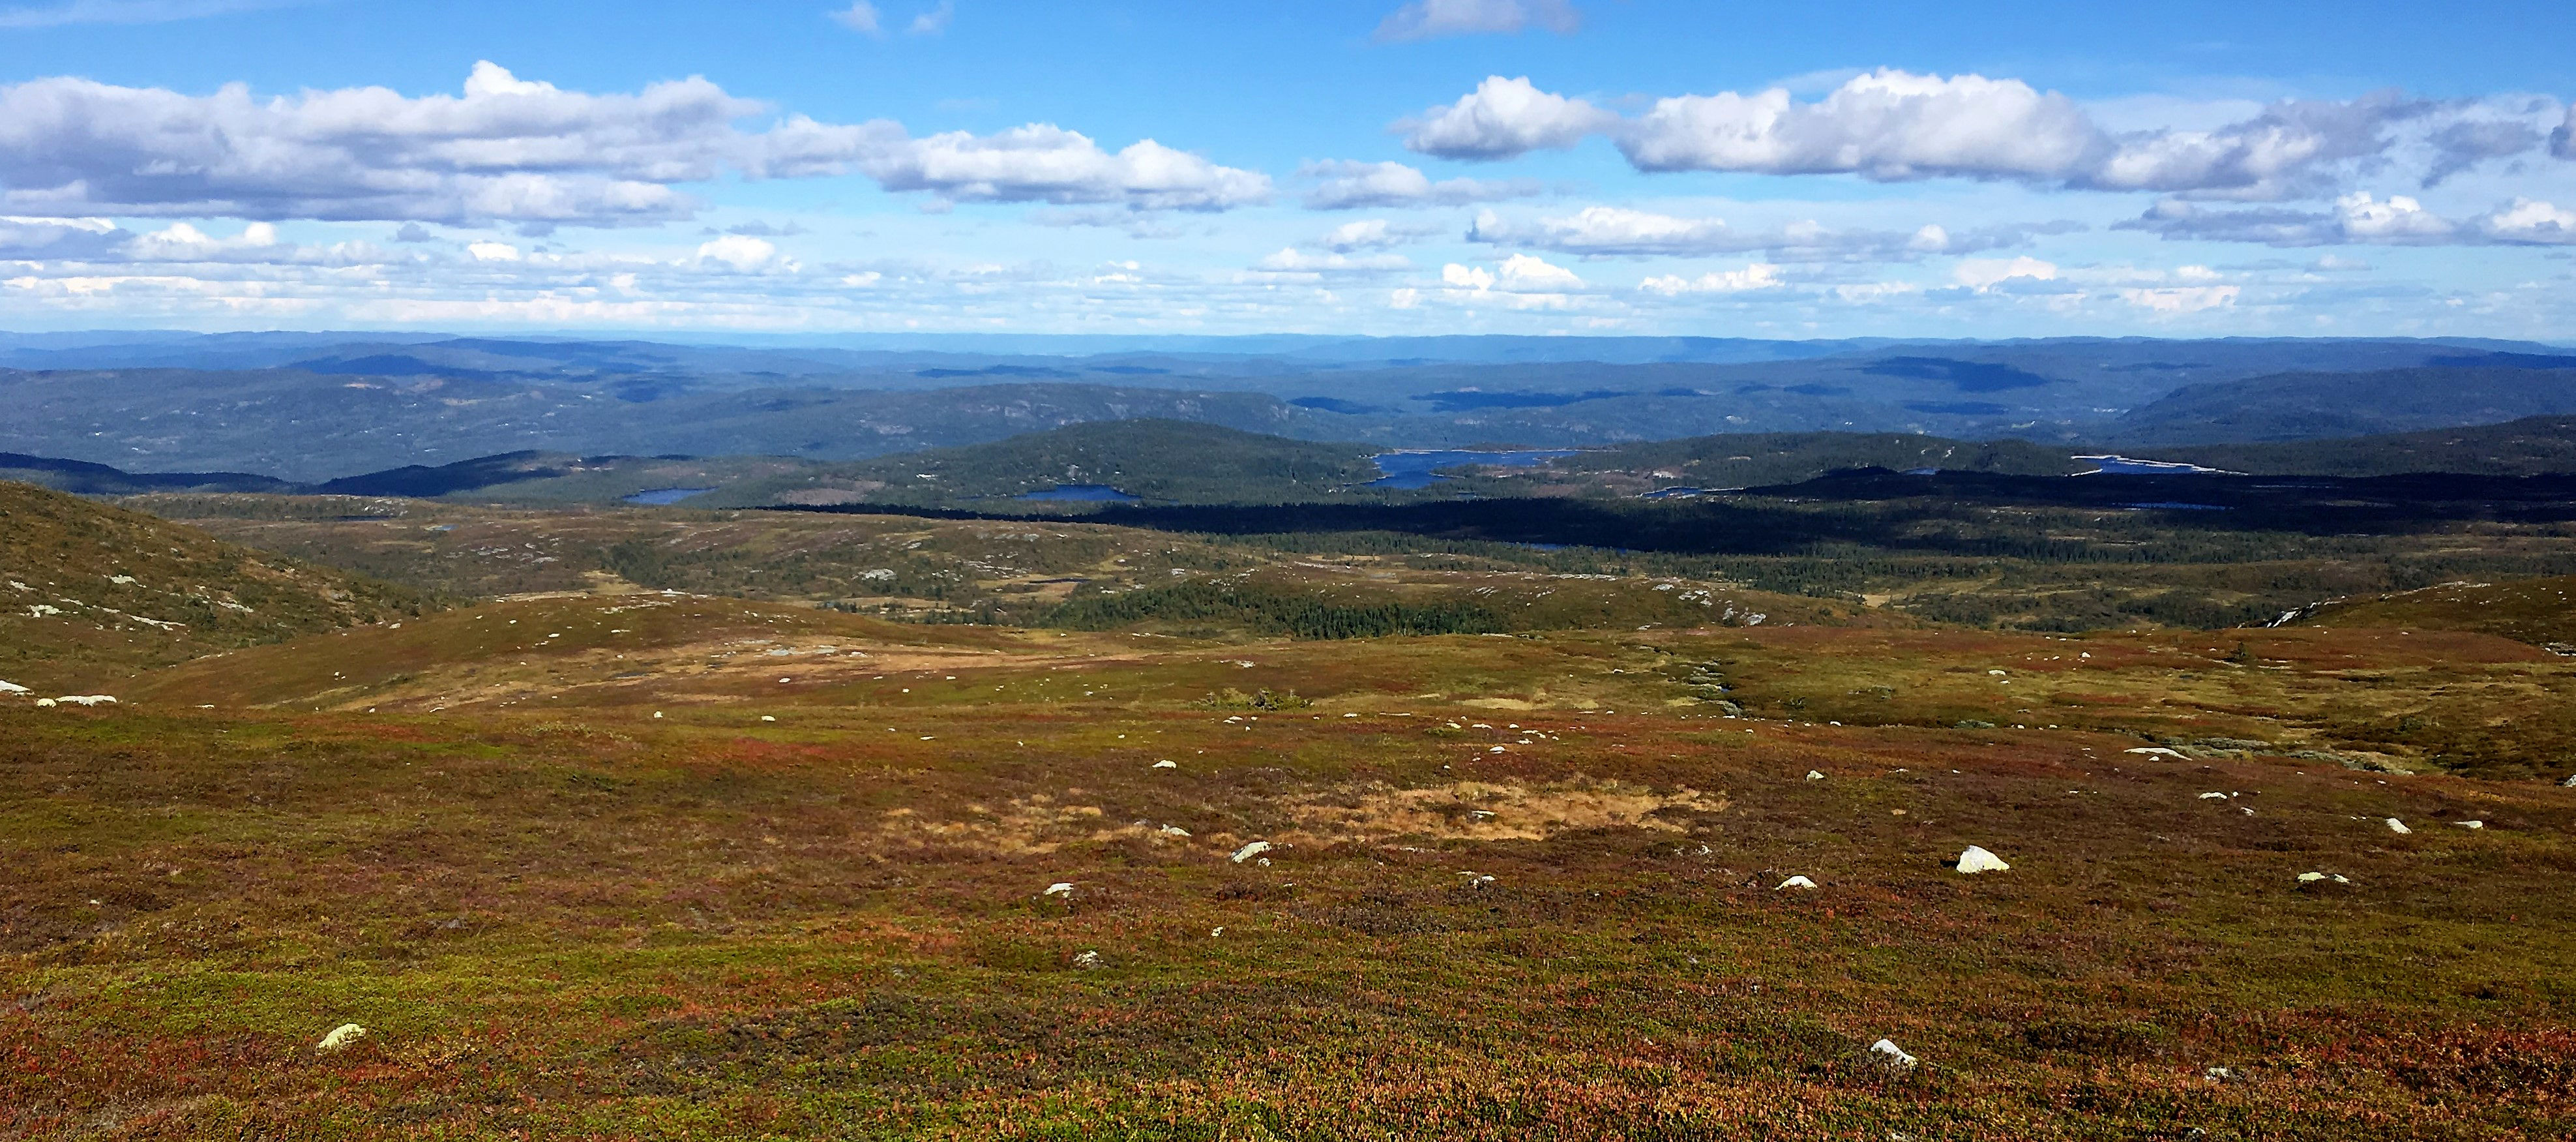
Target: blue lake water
pixel 2128 466
pixel 1084 493
pixel 1412 469
pixel 666 495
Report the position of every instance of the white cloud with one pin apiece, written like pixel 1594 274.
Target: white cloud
pixel 1984 274
pixel 1503 118
pixel 1759 275
pixel 2361 218
pixel 934 21
pixel 1291 260
pixel 2526 220
pixel 1524 273
pixel 520 151
pixel 1614 231
pixel 1891 125
pixel 860 17
pixel 2398 220
pixel 740 251
pixel 1042 162
pixel 59 237
pixel 1866 292
pixel 2180 299
pixel 1886 125
pixel 132 11
pixel 1370 234
pixel 1430 19
pixel 1476 278
pixel 1348 185
pixel 493 251
pixel 1405 298
pixel 2562 141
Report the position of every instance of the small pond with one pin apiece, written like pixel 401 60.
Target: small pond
pixel 666 495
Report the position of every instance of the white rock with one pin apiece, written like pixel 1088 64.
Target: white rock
pixel 340 1037
pixel 87 700
pixel 2313 877
pixel 2213 797
pixel 1166 765
pixel 44 703
pixel 1812 775
pixel 12 688
pixel 1173 831
pixel 1087 960
pixel 1059 888
pixel 2470 824
pixel 1794 882
pixel 1252 850
pixel 1976 859
pixel 2397 826
pixel 767 718
pixel 2156 750
pixel 1896 1056
pixel 1214 932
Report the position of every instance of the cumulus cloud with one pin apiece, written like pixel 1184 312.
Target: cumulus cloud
pixel 518 151
pixel 1293 261
pixel 1891 125
pixel 1344 184
pixel 1985 274
pixel 1612 231
pixel 1503 118
pixel 1370 234
pixel 934 21
pixel 860 17
pixel 2180 299
pixel 2361 218
pixel 2562 142
pixel 1432 19
pixel 1759 275
pixel 40 238
pixel 1886 125
pixel 1042 162
pixel 742 252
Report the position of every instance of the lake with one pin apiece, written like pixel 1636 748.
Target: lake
pixel 2128 466
pixel 1413 469
pixel 1084 493
pixel 666 495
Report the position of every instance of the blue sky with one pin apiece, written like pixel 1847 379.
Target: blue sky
pixel 1442 166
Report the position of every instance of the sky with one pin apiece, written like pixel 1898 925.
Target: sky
pixel 1827 169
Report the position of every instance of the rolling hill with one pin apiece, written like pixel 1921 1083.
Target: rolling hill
pixel 1155 460
pixel 2315 405
pixel 90 594
pixel 2532 446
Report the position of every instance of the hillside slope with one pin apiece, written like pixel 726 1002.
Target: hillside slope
pixel 1157 460
pixel 2532 446
pixel 90 594
pixel 2314 406
pixel 1752 459
pixel 2541 612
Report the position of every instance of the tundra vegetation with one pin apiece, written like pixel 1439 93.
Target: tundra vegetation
pixel 658 823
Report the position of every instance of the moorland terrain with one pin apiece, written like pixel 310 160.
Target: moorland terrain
pixel 862 797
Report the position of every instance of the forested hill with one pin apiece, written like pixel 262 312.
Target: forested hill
pixel 2532 446
pixel 1160 461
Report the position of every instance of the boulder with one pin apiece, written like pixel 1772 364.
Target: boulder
pixel 339 1039
pixel 1794 882
pixel 1977 859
